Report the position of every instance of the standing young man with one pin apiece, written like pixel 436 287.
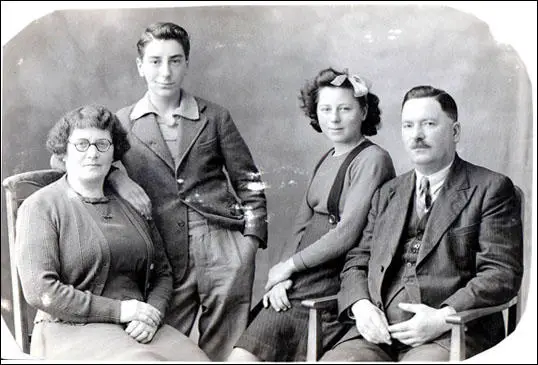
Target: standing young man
pixel 206 192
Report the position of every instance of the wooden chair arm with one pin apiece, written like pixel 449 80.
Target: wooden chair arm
pixel 458 320
pixel 471 314
pixel 320 303
pixel 315 343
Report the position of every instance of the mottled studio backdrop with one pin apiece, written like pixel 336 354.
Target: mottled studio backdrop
pixel 253 60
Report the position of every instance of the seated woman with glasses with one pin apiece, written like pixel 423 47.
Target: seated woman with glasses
pixel 93 267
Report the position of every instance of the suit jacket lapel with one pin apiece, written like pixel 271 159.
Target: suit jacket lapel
pixel 191 131
pixel 397 209
pixel 148 132
pixel 452 198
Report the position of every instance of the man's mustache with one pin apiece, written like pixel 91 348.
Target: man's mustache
pixel 419 144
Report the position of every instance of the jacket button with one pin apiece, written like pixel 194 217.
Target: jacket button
pixel 180 181
pixel 181 224
pixel 332 219
pixel 151 267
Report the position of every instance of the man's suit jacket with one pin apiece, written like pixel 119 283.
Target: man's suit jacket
pixel 210 144
pixel 471 253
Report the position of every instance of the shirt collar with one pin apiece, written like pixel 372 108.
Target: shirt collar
pixel 188 107
pixel 436 179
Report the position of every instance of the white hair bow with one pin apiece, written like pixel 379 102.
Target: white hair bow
pixel 361 86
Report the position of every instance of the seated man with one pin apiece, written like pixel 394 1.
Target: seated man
pixel 454 243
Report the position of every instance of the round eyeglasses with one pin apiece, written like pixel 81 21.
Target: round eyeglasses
pixel 82 145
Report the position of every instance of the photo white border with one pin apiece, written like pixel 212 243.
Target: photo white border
pixel 512 23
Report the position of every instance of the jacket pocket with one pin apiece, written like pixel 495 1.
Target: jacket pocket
pixel 209 144
pixel 463 244
pixel 473 228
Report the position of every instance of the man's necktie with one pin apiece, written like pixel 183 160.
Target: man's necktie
pixel 424 197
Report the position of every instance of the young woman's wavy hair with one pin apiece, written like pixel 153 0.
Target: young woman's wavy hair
pixel 309 97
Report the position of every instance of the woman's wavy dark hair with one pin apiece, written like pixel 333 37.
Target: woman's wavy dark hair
pixel 309 96
pixel 96 116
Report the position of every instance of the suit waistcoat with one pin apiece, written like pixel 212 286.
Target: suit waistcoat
pixel 402 281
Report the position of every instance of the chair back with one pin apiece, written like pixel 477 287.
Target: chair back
pixel 513 314
pixel 17 188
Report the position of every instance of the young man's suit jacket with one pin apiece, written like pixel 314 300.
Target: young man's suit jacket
pixel 209 144
pixel 471 253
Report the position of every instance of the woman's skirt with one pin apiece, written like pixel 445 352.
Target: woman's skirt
pixel 109 342
pixel 282 336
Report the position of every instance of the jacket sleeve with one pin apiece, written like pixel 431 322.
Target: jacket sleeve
pixel 499 260
pixel 369 170
pixel 38 261
pixel 354 275
pixel 160 274
pixel 245 178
